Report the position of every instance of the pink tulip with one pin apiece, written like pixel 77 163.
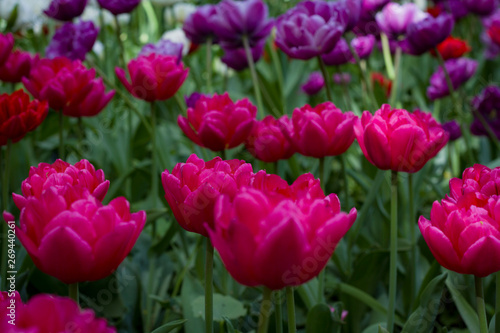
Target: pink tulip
pixel 59 175
pixel 74 237
pixel 154 77
pixel 267 142
pixel 218 123
pixel 281 237
pixel 478 178
pixel 17 66
pixel 321 131
pixel 395 139
pixel 48 314
pixel 193 187
pixel 6 45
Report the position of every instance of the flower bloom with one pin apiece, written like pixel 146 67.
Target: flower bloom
pixel 45 313
pixel 452 48
pixel 339 55
pixel 456 8
pixel 267 141
pixel 19 115
pixel 74 237
pixel 73 40
pixel 397 140
pixel 58 175
pixel 341 78
pixel 349 12
pixel 17 66
pixel 308 30
pixel 384 83
pixel 481 7
pixel 426 34
pixel 163 47
pixel 460 71
pixel 314 83
pixel 193 187
pixel 281 237
pixel 235 20
pixel 493 29
pixel 6 46
pixel 218 123
pixel 237 59
pixel 363 45
pixel 198 26
pixel 463 232
pixel 117 7
pixel 154 77
pixel 65 10
pixel 453 129
pixel 323 130
pixel 193 98
pixel 487 104
pixel 394 19
pixel 68 86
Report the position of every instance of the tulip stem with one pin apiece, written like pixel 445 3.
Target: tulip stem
pixel 366 77
pixel 394 252
pixel 209 65
pixel 277 312
pixel 326 78
pixel 481 309
pixel 223 154
pixel 61 136
pixel 73 292
pixel 497 303
pixel 394 91
pixel 5 226
pixel 344 177
pixel 290 305
pixel 386 50
pixel 265 311
pixel 321 172
pixel 279 73
pixel 413 241
pixel 154 157
pixel 120 42
pixel 255 78
pixel 209 311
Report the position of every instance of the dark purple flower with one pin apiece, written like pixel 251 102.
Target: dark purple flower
pixel 308 30
pixel 236 20
pixel 487 103
pixel 73 40
pixel 454 7
pixel 368 7
pixel 394 19
pixel 492 50
pixel 481 7
pixel 314 84
pixel 198 26
pixel 340 54
pixel 460 70
pixel 65 10
pixel 341 78
pixel 453 129
pixel 426 34
pixel 117 7
pixel 194 97
pixel 236 58
pixel 349 12
pixel 163 47
pixel 363 45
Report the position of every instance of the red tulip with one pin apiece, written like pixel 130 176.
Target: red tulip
pixel 395 139
pixel 19 116
pixel 218 123
pixel 6 45
pixel 154 77
pixel 17 66
pixel 452 48
pixel 378 79
pixel 68 86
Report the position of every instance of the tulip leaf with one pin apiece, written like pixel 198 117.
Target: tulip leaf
pixel 191 289
pixel 170 326
pixel 229 325
pixel 224 306
pixel 468 314
pixel 382 329
pixel 422 319
pixel 320 319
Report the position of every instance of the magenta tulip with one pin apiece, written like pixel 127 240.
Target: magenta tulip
pixel 17 66
pixel 6 46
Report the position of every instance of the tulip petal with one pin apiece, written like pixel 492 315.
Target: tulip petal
pixel 483 257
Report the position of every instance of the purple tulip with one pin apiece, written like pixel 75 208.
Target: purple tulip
pixel 65 10
pixel 73 40
pixel 194 97
pixel 235 20
pixel 314 84
pixel 117 7
pixel 481 7
pixel 460 70
pixel 237 59
pixel 198 26
pixel 363 45
pixel 394 19
pixel 453 129
pixel 368 7
pixel 426 34
pixel 163 47
pixel 454 7
pixel 310 29
pixel 349 12
pixel 487 103
pixel 492 49
pixel 341 78
pixel 340 54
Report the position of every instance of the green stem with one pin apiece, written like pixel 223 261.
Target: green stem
pixel 344 177
pixel 223 154
pixel 497 303
pixel 149 300
pixel 277 312
pixel 321 171
pixel 80 133
pixel 154 157
pixel 279 74
pixel 120 42
pixel 290 305
pixel 61 136
pixel 394 252
pixel 386 50
pixel 265 311
pixel 326 77
pixel 209 65
pixel 397 80
pixel 364 73
pixel 255 78
pixel 413 241
pixel 209 311
pixel 481 308
pixel 5 203
pixel 73 292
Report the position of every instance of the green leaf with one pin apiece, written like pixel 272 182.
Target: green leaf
pixel 319 319
pixel 224 306
pixel 191 289
pixel 464 308
pixel 382 330
pixel 229 325
pixel 422 319
pixel 170 326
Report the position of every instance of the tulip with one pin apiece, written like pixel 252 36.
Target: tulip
pixel 17 66
pixel 236 20
pixel 65 10
pixel 452 48
pixel 267 141
pixel 456 8
pixel 426 34
pixel 481 7
pixel 321 131
pixel 6 46
pixel 58 175
pixel 236 58
pixel 278 238
pixel 341 78
pixel 45 313
pixel 74 237
pixel 308 30
pixel 394 19
pixel 339 55
pixel 163 47
pixel 370 6
pixel 73 40
pixel 363 45
pixel 199 27
pixel 487 104
pixel 193 98
pixel 19 115
pixel 460 71
pixel 6 299
pixel 218 123
pixel 193 187
pixel 397 140
pixel 314 84
pixel 154 77
pixel 453 129
pixel 349 11
pixel 117 7
pixel 493 30
pixel 476 179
